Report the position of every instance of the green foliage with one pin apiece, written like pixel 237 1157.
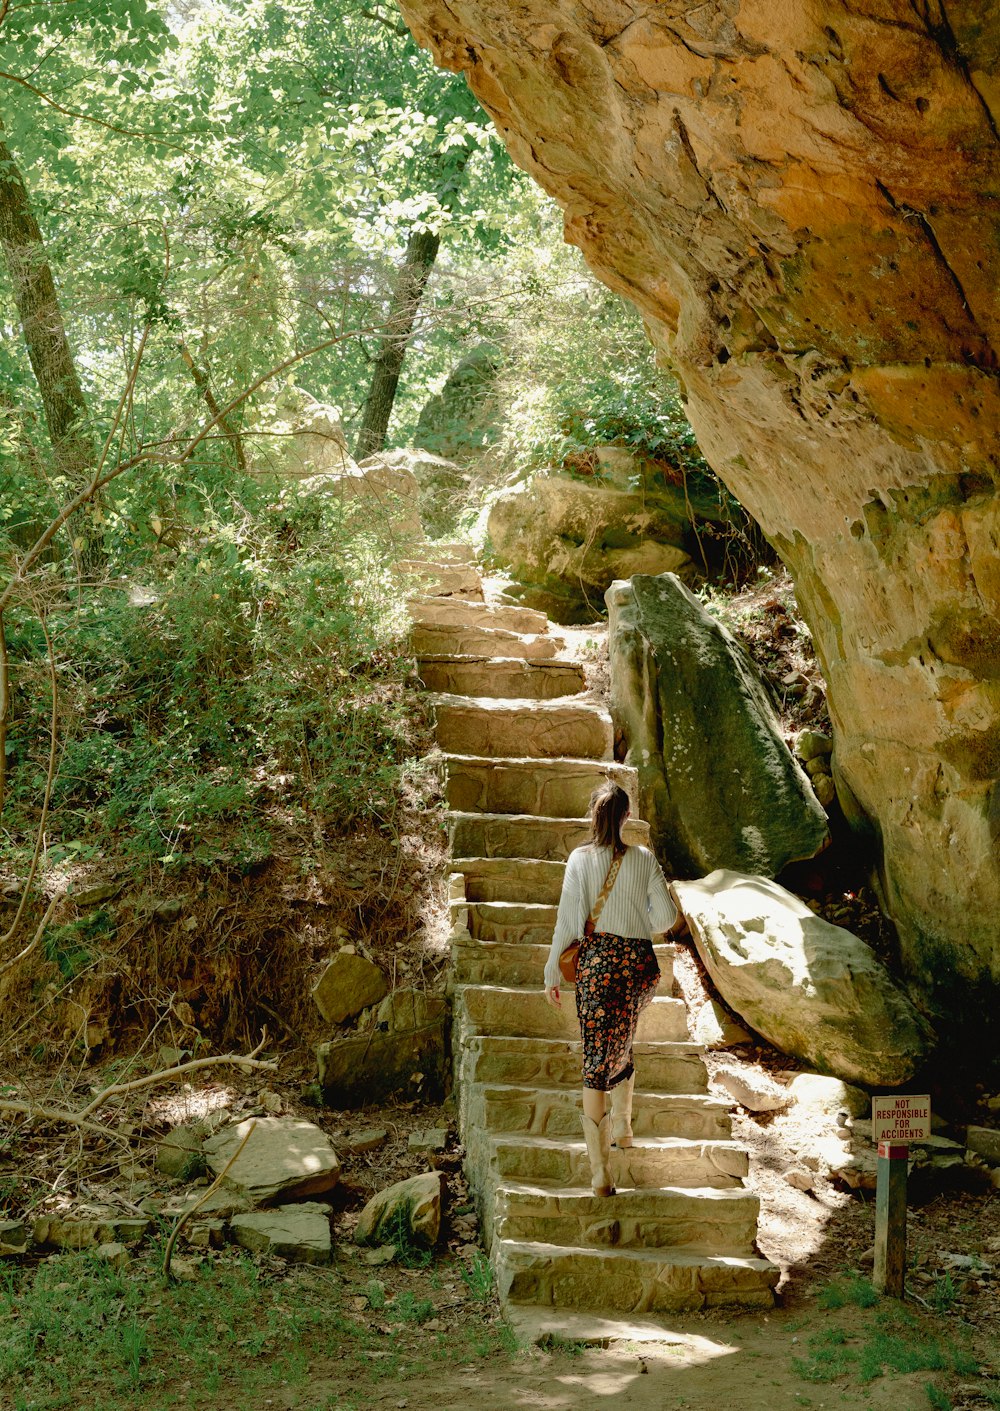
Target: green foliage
pixel 255 672
pixel 938 1400
pixel 478 1278
pixel 895 1342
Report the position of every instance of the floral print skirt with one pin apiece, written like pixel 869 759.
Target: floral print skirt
pixel 616 978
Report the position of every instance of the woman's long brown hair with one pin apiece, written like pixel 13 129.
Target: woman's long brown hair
pixel 608 806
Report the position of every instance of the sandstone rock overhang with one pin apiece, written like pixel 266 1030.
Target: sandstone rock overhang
pixel 802 201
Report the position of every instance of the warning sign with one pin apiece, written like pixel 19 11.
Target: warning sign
pixel 901 1119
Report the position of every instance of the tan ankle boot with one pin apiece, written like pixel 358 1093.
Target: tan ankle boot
pixel 598 1139
pixel 621 1113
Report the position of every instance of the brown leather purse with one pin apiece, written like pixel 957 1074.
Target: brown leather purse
pixel 569 958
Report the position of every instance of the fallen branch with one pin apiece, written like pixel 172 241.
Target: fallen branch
pixel 181 1070
pixel 163 1075
pixel 186 1216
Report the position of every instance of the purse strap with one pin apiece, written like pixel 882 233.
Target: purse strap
pixel 605 892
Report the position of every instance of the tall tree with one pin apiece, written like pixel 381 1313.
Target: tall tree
pixel 42 322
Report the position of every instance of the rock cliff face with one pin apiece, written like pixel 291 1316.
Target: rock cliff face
pixel 802 198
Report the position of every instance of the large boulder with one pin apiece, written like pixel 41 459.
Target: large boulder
pixel 442 486
pixel 460 421
pixel 304 441
pixel 403 1049
pixel 717 783
pixel 284 1157
pixel 813 990
pixel 800 200
pixel 565 537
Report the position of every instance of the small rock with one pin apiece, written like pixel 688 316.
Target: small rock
pixel 184 1269
pixel 169 909
pixel 435 1139
pixel 417 1202
pixel 179 1152
pixel 811 743
pixel 867 1256
pixel 205 1234
pixel 985 1141
pixel 168 1057
pixel 270 1101
pixel 13 1237
pixel 366 1140
pixel 385 1254
pixel 347 986
pixel 824 789
pixel 93 896
pixel 114 1254
pixel 752 1090
pixel 800 1178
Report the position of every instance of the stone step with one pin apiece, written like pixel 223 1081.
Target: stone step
pixel 517 729
pixel 445 553
pixel 498 1009
pixel 701 1219
pixel 503 678
pixel 510 878
pixel 521 835
pixel 480 962
pixel 454 612
pixel 443 580
pixel 554 788
pixel 651 1161
pixel 555 1112
pixel 557 1063
pixel 438 640
pixel 634 1280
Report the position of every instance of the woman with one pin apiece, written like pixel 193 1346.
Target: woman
pixel 617 972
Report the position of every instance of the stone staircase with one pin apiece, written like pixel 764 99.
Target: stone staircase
pixel 522 747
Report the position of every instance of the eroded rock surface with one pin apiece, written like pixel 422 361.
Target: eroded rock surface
pixel 716 780
pixel 801 201
pixel 813 990
pixel 565 538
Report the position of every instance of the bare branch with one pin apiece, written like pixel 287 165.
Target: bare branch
pixel 396 26
pixel 81 1119
pixel 88 117
pixel 36 938
pixel 181 1070
pixel 186 1216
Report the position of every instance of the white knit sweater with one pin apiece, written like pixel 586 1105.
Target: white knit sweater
pixel 638 905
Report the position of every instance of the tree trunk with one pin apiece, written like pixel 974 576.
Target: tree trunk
pixel 421 252
pixel 42 321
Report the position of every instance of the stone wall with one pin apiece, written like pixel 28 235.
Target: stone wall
pixel 800 198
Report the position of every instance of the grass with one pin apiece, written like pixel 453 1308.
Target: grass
pixel 73 1327
pixel 893 1342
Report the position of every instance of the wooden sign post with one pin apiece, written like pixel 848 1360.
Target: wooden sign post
pixel 896 1121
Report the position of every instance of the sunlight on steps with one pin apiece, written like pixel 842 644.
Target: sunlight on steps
pixel 522 745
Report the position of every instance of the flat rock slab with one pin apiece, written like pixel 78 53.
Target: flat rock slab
pixel 814 990
pixel 717 781
pixel 300 1232
pixel 412 1206
pixel 284 1157
pixel 87 1230
pixel 405 1050
pixel 349 984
